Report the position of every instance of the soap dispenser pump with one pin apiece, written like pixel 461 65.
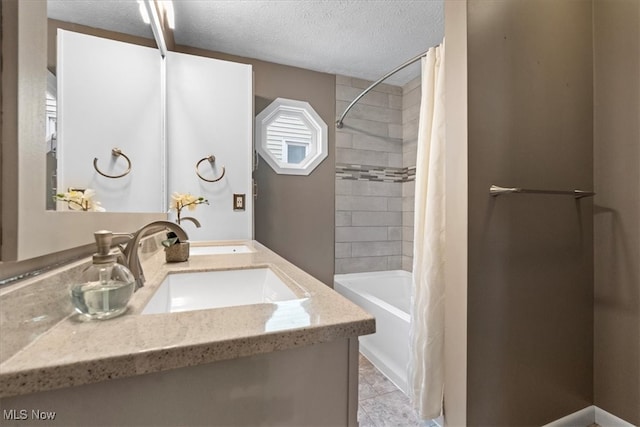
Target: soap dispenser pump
pixel 105 287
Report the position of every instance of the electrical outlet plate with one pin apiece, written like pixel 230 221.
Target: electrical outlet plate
pixel 238 202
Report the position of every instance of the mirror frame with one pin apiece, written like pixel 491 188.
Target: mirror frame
pixel 28 229
pixel 319 127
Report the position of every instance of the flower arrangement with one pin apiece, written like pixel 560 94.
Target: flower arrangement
pixel 80 200
pixel 180 201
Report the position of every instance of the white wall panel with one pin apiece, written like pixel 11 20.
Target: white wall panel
pixel 210 112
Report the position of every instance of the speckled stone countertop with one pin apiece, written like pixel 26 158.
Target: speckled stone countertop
pixel 75 352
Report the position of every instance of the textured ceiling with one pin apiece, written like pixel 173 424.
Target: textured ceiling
pixel 360 38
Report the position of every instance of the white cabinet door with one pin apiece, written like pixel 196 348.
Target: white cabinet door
pixel 110 96
pixel 210 113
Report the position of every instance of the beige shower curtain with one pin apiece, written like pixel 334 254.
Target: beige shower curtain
pixel 426 366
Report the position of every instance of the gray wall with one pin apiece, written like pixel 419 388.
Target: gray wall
pixel 530 279
pixel 617 207
pixel 294 215
pixel 368 178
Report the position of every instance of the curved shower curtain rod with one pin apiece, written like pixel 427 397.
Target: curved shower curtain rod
pixel 376 83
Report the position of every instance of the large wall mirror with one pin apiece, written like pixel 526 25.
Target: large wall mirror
pixel 29 230
pixel 291 137
pixel 104 125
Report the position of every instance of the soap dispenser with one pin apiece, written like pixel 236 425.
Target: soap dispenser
pixel 105 287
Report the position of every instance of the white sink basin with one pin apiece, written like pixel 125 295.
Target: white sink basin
pixel 219 250
pixel 214 289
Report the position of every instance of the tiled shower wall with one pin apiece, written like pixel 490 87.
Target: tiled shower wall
pixel 374 223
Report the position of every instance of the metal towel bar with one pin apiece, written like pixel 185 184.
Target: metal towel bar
pixel 115 152
pixel 494 190
pixel 211 158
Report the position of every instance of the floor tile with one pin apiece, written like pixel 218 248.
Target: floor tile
pixel 363 419
pixel 377 380
pixel 365 391
pixel 390 410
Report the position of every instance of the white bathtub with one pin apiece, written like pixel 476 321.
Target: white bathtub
pixel 386 295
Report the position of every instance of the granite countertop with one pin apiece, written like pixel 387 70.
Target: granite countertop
pixel 75 352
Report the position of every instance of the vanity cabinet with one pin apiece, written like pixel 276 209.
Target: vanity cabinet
pixel 315 385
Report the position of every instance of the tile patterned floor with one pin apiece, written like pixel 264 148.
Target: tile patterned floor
pixel 382 404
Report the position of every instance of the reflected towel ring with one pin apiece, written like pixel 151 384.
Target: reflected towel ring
pixel 116 152
pixel 211 159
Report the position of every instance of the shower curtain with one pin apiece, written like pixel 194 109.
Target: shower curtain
pixel 426 366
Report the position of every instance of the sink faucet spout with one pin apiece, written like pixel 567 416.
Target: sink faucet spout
pixel 131 251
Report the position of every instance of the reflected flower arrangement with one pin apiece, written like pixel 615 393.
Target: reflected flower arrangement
pixel 80 200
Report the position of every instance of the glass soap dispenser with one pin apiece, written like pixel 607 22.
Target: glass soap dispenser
pixel 105 287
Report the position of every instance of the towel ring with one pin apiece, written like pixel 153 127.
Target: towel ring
pixel 116 152
pixel 211 159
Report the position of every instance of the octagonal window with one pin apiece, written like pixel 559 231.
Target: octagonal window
pixel 291 137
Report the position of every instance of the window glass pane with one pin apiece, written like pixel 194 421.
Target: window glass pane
pixel 296 153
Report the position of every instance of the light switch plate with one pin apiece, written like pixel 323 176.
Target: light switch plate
pixel 238 202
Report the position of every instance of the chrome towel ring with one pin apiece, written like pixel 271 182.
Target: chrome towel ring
pixel 211 159
pixel 116 152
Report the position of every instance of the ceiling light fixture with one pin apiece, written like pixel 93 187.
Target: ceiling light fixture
pixel 156 26
pixel 143 12
pixel 166 8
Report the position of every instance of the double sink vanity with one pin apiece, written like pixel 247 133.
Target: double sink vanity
pixel 236 335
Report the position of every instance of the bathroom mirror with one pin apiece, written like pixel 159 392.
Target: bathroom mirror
pixel 291 137
pixel 105 126
pixel 28 229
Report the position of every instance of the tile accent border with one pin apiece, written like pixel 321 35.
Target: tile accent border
pixel 375 173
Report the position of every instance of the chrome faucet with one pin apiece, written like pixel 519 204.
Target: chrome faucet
pixel 131 250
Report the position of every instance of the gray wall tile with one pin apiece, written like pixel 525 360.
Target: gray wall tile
pixel 407 233
pixel 395 160
pixel 362 203
pixel 386 88
pixel 394 233
pixel 368 127
pixel 344 187
pixel 376 218
pixel 343 219
pixel 361 157
pixel 407 263
pixel 343 80
pixel 408 189
pixel 370 112
pixel 410 129
pixel 395 101
pixel 376 143
pixel 343 250
pixel 343 139
pixel 407 204
pixel 361 234
pixel 395 262
pixel 395 130
pixel 348 93
pixel 412 85
pixel 368 249
pixel 394 204
pixel 373 188
pixel 369 214
pixel 407 248
pixel 357 265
